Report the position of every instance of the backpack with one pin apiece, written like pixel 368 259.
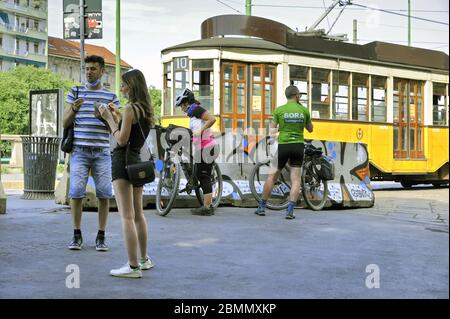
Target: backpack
pixel 326 171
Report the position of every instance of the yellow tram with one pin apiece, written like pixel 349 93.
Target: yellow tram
pixel 391 97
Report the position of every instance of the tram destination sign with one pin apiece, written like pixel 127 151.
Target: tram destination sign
pixel 181 63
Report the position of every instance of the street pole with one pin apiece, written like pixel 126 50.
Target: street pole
pixel 355 31
pixel 118 78
pixel 248 7
pixel 409 23
pixel 82 66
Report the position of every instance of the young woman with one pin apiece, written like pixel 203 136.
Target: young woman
pixel 205 146
pixel 126 131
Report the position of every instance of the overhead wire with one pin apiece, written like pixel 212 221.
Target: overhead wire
pixel 229 6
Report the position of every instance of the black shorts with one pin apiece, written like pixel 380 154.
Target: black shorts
pixel 292 153
pixel 118 163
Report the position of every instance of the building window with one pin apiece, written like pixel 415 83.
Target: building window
pixel 36 25
pixel 378 88
pixel 36 48
pixel 27 46
pixel 167 88
pixel 54 68
pixel 341 95
pixel 440 104
pixel 320 93
pixel 1 41
pixel 181 76
pixel 360 98
pixel 298 76
pixel 203 82
pixel 17 45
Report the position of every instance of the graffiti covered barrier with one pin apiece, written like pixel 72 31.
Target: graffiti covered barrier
pixel 238 154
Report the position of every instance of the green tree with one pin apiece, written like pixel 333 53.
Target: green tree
pixel 155 96
pixel 15 86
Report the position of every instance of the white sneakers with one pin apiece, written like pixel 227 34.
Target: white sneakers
pixel 127 272
pixel 146 264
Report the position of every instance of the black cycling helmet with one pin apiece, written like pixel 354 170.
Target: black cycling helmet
pixel 185 96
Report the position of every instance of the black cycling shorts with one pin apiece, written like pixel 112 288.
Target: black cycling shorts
pixel 292 153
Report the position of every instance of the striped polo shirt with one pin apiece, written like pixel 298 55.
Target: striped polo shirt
pixel 90 131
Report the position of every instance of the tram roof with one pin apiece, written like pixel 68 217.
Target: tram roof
pixel 373 52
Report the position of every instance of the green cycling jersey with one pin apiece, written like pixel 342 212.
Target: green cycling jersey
pixel 292 119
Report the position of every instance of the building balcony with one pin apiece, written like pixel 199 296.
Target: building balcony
pixel 24 32
pixel 40 13
pixel 27 56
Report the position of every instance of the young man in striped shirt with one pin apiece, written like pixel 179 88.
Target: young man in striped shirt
pixel 91 149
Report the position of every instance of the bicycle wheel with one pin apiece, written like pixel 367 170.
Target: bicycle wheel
pixel 167 189
pixel 217 185
pixel 279 198
pixel 315 190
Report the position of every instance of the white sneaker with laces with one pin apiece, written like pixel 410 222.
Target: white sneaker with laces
pixel 146 264
pixel 126 272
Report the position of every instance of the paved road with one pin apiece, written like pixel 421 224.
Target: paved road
pixel 236 254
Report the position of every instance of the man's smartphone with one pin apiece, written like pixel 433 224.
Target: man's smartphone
pixel 97 111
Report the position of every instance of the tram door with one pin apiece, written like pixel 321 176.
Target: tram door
pixel 247 95
pixel 408 119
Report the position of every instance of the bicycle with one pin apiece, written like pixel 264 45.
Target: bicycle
pixel 313 186
pixel 177 161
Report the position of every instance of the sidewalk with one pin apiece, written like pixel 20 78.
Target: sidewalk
pixel 236 254
pixel 15 181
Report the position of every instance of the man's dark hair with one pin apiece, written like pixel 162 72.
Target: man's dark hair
pixel 95 59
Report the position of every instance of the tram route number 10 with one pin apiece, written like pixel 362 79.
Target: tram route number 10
pixel 181 63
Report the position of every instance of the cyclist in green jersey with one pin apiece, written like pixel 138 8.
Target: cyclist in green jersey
pixel 289 120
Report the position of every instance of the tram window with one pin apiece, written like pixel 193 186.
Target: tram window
pixel 379 99
pixel 320 93
pixel 228 97
pixel 340 95
pixel 203 82
pixel 241 98
pixel 227 123
pixel 167 88
pixel 256 101
pixel 268 95
pixel 256 124
pixel 228 73
pixel 299 77
pixel 440 104
pixel 360 97
pixel 269 76
pixel 240 124
pixel 181 82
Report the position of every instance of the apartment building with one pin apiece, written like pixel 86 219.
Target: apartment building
pixel 23 33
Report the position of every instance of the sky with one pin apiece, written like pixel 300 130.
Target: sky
pixel 149 26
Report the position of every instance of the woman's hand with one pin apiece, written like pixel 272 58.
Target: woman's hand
pixel 117 116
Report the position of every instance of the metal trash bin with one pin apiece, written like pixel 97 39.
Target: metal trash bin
pixel 40 157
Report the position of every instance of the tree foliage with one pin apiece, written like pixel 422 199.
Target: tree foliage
pixel 155 96
pixel 15 87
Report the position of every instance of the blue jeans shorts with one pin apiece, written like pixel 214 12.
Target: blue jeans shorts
pixel 96 159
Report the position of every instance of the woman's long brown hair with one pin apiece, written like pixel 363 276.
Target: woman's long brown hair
pixel 138 93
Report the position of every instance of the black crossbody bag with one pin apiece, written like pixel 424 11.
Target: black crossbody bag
pixel 143 172
pixel 67 140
